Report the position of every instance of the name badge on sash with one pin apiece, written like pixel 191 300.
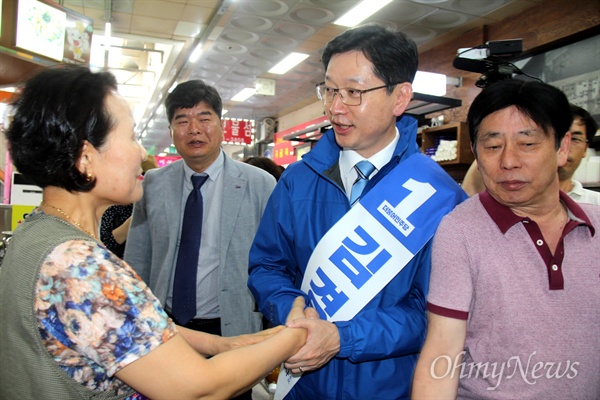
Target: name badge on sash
pixel 374 241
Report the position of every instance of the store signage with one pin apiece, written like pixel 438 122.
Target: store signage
pixel 53 31
pixel 284 153
pixel 165 160
pixel 238 131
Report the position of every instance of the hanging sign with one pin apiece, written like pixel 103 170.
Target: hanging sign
pixel 238 131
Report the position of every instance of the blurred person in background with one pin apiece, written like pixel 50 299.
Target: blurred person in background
pixel 114 225
pixel 267 164
pixel 582 131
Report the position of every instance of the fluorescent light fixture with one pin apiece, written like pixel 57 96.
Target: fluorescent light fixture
pixel 288 63
pixel 224 112
pixel 107 32
pixel 133 91
pixel 160 109
pixel 430 83
pixel 214 34
pixel 196 53
pixel 360 12
pixel 244 94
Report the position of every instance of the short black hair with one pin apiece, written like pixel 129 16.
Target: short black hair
pixel 267 164
pixel 590 124
pixel 59 109
pixel 546 105
pixel 394 55
pixel 190 93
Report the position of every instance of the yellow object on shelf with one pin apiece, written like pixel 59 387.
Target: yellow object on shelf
pixel 19 212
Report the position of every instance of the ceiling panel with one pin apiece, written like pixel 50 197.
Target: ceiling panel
pixel 242 40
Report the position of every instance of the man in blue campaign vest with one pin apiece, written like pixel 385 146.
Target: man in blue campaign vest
pixel 364 264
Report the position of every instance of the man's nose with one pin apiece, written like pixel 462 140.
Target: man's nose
pixel 337 106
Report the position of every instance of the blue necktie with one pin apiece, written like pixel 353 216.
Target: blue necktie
pixel 363 169
pixel 186 269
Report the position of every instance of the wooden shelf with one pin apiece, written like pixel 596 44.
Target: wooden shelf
pixel 458 131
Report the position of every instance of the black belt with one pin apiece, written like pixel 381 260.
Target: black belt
pixel 200 324
pixel 201 321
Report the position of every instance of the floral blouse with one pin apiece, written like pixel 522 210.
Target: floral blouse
pixel 96 315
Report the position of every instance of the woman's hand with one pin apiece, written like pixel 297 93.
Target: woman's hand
pixel 297 310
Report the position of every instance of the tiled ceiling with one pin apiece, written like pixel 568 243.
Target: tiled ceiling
pixel 243 39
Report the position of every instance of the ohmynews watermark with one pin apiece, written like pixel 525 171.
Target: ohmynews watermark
pixel 530 372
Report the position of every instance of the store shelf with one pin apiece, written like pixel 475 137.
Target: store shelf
pixel 458 131
pixel 422 104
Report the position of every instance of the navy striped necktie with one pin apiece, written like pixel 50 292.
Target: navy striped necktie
pixel 186 269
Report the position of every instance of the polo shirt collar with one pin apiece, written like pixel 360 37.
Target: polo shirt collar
pixel 505 218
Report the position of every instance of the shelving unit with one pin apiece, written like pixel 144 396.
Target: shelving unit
pixel 458 131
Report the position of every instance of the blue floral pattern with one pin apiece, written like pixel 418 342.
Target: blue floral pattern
pixel 96 315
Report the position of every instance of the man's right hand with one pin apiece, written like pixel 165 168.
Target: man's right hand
pixel 322 343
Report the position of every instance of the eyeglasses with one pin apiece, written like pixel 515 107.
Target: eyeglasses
pixel 578 140
pixel 350 97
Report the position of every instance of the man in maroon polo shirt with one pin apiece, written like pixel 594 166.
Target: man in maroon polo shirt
pixel 513 304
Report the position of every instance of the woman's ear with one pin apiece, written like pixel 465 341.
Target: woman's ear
pixel 84 163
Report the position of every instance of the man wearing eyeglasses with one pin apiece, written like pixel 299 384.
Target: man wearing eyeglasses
pixel 582 130
pixel 370 353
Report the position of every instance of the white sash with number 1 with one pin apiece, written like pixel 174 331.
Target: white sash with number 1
pixel 374 241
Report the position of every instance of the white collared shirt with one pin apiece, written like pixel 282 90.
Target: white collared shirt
pixel 207 280
pixel 582 195
pixel 349 158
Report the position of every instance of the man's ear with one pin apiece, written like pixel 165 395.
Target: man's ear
pixel 404 92
pixel 563 150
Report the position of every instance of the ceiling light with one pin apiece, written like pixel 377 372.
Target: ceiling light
pixel 107 32
pixel 223 112
pixel 244 94
pixel 288 63
pixel 430 83
pixel 196 53
pixel 360 12
pixel 214 34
